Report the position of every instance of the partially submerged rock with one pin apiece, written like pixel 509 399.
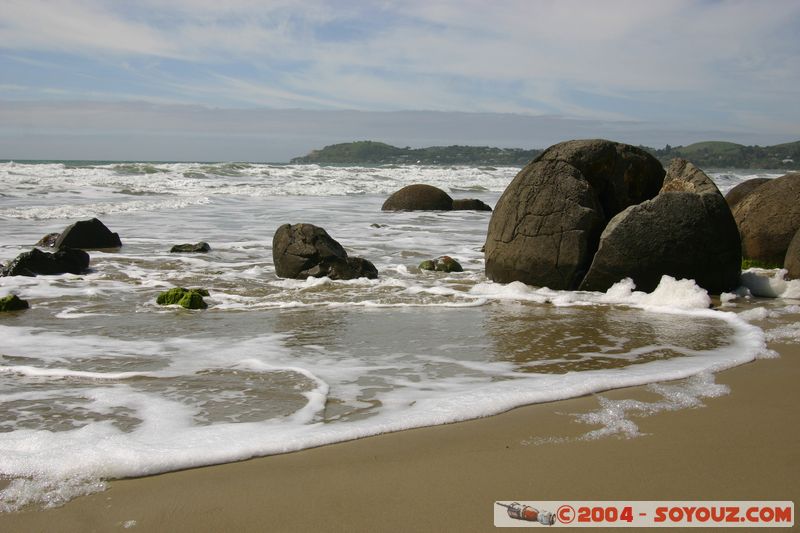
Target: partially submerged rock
pixel 470 204
pixel 12 303
pixel 188 298
pixel 768 219
pixel 418 197
pixel 300 251
pixel 200 247
pixel 37 262
pixel 88 235
pixel 444 263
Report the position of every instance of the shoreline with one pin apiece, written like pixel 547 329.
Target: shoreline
pixel 740 446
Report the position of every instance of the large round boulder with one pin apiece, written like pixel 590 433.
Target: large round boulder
pixel 88 235
pixel 300 251
pixel 738 193
pixel 792 261
pixel 37 262
pixel 687 231
pixel 620 174
pixel 546 226
pixel 418 197
pixel 768 218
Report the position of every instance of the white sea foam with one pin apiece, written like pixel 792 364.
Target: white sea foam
pixel 770 283
pixel 615 416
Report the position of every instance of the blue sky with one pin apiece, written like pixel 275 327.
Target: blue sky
pixel 75 74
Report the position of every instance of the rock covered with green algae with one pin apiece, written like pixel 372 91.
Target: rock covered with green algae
pixel 12 303
pixel 444 263
pixel 188 298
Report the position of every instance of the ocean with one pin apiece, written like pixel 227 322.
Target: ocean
pixel 99 382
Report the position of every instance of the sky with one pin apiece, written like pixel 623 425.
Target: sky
pixel 263 80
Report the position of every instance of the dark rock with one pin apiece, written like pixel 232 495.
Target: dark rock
pixel 88 234
pixel 792 260
pixel 546 226
pixel 303 250
pixel 357 267
pixel 738 193
pixel 12 303
pixel 200 247
pixel 768 219
pixel 470 204
pixel 418 197
pixel 48 240
pixel 444 263
pixel 687 231
pixel 37 262
pixel 188 298
pixel 620 174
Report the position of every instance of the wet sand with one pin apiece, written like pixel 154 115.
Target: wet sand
pixel 743 446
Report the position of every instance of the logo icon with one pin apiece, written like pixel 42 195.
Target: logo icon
pixel 527 513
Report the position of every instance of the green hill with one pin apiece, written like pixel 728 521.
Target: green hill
pixel 377 153
pixel 716 154
pixel 706 155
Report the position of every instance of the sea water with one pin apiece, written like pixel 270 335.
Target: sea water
pixel 98 382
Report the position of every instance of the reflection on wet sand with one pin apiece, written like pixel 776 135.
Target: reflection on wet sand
pixel 556 340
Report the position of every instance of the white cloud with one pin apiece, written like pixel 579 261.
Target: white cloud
pixel 604 60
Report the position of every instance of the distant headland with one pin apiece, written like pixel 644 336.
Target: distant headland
pixel 709 154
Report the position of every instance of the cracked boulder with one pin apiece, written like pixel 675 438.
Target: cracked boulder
pixel 686 231
pixel 545 229
pixel 300 251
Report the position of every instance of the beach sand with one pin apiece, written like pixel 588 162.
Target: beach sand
pixel 742 446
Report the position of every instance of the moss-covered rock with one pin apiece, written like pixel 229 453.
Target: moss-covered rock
pixel 188 298
pixel 12 303
pixel 428 264
pixel 444 263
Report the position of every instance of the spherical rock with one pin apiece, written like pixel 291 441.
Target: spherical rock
pixel 738 193
pixel 546 226
pixel 768 219
pixel 418 197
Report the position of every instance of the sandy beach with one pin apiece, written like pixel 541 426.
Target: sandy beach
pixel 741 446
